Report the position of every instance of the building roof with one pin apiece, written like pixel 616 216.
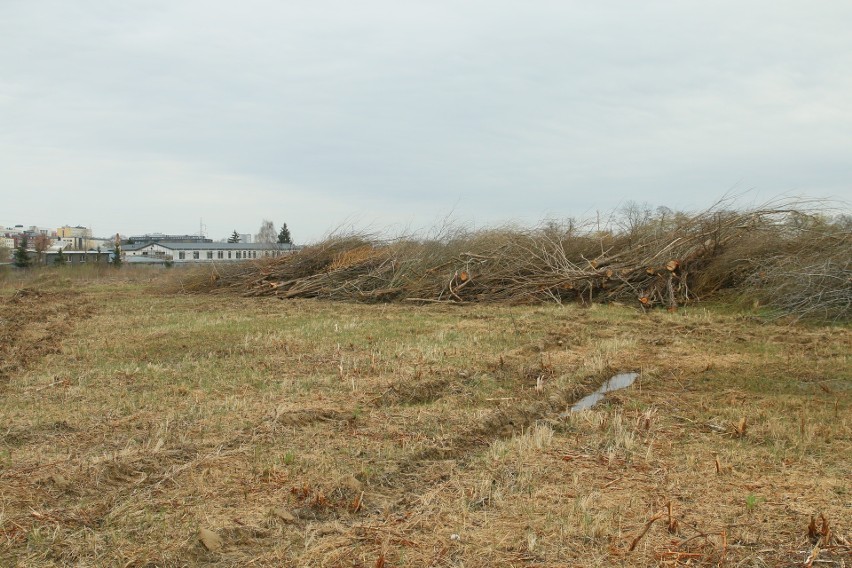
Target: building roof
pixel 79 252
pixel 160 237
pixel 218 246
pixel 165 235
pixel 135 246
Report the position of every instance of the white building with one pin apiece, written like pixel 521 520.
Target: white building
pixel 203 252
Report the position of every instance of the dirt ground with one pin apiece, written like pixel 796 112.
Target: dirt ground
pixel 149 429
pixel 32 323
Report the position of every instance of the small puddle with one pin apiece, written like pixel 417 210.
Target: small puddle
pixel 619 381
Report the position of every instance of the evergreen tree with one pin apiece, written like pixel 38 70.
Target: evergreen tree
pixel 284 235
pixel 60 258
pixel 235 237
pixel 22 259
pixel 116 253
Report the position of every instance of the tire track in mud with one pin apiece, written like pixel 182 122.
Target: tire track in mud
pixel 419 472
pixel 499 424
pixel 31 321
pixel 414 474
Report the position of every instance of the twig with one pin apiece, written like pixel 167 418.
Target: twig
pixel 645 529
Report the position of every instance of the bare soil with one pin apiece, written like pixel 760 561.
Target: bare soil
pixel 33 323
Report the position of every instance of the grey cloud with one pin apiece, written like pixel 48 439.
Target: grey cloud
pixel 506 109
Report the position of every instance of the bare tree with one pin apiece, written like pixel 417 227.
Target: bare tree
pixel 41 243
pixel 267 234
pixel 634 218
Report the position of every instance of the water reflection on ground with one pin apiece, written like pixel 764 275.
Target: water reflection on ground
pixel 619 381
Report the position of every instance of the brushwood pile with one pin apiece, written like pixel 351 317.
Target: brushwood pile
pixel 792 261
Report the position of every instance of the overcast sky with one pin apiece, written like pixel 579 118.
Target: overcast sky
pixel 143 116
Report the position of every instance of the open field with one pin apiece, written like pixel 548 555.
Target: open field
pixel 149 429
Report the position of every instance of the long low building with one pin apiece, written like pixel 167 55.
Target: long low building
pixel 203 252
pixel 52 257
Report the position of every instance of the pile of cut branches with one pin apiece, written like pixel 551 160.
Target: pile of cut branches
pixel 796 261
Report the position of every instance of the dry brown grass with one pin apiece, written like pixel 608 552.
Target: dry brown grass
pixel 176 430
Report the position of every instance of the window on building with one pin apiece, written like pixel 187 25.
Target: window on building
pixel 210 254
pixel 220 254
pixel 181 255
pixel 195 255
pixel 229 254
